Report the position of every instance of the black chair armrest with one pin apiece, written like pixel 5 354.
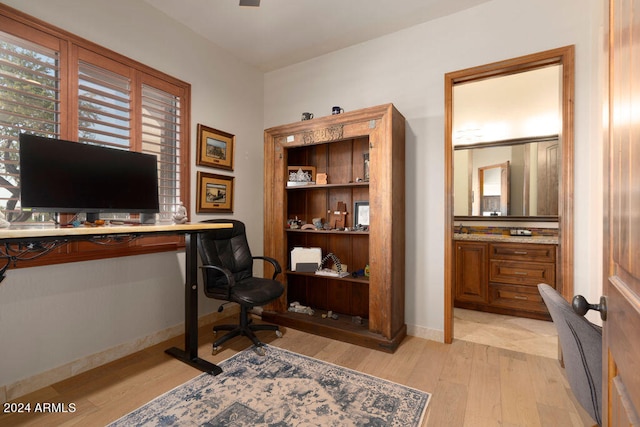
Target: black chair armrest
pixel 231 281
pixel 272 261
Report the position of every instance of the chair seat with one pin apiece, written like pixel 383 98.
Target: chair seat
pixel 256 291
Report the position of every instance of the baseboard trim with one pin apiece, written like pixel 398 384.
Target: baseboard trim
pixel 25 386
pixel 426 333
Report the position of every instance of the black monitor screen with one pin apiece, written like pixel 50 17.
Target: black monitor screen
pixel 65 176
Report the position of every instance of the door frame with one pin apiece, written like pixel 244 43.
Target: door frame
pixel 564 56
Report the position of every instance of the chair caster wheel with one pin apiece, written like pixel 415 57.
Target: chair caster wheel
pixel 259 350
pixel 279 334
pixel 215 350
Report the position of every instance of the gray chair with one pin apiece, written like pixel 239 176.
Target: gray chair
pixel 581 344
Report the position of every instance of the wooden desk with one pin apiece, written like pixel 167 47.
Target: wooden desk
pixel 60 236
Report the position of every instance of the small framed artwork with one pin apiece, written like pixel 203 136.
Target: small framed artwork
pixel 215 148
pixel 301 175
pixel 215 193
pixel 360 213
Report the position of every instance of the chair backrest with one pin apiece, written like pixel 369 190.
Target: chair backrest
pixel 581 343
pixel 228 248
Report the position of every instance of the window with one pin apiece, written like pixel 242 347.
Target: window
pixel 104 107
pixel 29 102
pixel 161 136
pixel 58 85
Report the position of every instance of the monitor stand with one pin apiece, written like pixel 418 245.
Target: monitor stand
pixel 147 218
pixel 92 216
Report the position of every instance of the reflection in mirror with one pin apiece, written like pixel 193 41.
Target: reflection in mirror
pixel 508 119
pixel 527 178
pixel 494 189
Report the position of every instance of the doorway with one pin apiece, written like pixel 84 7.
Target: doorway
pixel 564 58
pixel 494 189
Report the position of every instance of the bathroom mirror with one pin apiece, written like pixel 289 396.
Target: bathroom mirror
pixel 509 118
pixel 525 178
pixel 558 61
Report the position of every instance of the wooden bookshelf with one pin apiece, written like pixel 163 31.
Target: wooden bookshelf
pixel 338 145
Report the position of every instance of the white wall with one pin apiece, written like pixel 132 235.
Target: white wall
pixel 407 68
pixel 50 316
pixel 526 104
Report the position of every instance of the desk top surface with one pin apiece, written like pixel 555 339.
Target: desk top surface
pixel 46 231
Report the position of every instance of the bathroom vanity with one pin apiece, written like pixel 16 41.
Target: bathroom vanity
pixel 500 274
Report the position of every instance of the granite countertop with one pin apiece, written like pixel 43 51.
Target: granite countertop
pixel 549 240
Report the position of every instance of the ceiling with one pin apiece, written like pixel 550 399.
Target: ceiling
pixel 283 32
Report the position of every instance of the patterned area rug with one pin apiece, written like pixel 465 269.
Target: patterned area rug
pixel 283 389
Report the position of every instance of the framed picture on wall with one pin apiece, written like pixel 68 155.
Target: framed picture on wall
pixel 215 148
pixel 215 193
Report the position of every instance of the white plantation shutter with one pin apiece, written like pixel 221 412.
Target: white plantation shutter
pixel 161 128
pixel 104 118
pixel 29 102
pixel 104 107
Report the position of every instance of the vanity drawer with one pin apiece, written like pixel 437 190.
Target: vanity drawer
pixel 522 273
pixel 523 252
pixel 516 297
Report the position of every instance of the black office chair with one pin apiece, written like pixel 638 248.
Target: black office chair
pixel 228 275
pixel 581 344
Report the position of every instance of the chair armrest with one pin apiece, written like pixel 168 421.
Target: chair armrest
pixel 272 261
pixel 231 281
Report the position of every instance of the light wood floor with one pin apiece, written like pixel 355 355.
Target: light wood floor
pixel 472 384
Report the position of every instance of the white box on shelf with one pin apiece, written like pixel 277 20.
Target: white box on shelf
pixel 301 255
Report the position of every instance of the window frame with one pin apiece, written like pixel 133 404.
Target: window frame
pixel 72 49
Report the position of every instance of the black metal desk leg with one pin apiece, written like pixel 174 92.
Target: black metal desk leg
pixel 190 353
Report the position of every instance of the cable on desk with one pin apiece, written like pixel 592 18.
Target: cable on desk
pixel 34 250
pixel 114 239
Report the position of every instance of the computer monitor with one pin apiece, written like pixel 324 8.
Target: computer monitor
pixel 69 177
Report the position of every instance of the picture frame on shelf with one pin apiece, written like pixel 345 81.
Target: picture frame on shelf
pixel 301 175
pixel 215 193
pixel 360 213
pixel 215 148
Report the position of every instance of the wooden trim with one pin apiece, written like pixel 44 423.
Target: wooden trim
pixel 566 185
pixel 449 254
pixel 505 142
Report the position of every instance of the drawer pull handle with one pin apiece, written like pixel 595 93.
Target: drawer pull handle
pixel 520 252
pixel 520 273
pixel 522 297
